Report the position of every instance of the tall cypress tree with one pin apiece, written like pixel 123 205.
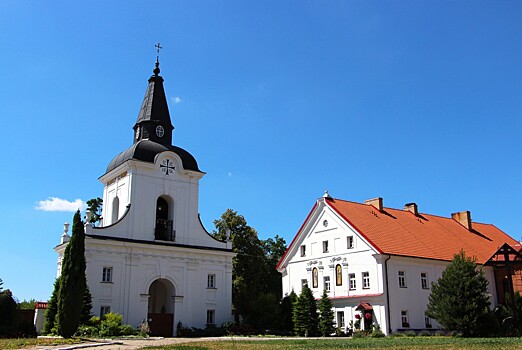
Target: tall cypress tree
pixel 52 309
pixel 326 315
pixel 72 285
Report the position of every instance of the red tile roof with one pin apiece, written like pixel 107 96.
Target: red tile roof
pixel 400 232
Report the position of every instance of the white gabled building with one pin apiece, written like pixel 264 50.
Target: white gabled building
pixel 152 259
pixel 377 264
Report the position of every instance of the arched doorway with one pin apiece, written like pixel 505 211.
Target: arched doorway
pixel 161 308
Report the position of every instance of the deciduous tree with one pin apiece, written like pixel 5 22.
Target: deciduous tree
pixel 95 206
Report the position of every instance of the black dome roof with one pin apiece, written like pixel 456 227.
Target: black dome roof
pixel 146 150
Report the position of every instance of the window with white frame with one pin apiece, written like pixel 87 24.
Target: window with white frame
pixel 211 316
pixel 366 280
pixel 404 319
pixel 340 319
pixel 303 250
pixel 104 310
pixel 107 274
pixel 211 281
pixel 352 281
pixel 325 246
pixel 427 322
pixel 402 279
pixel 326 280
pixel 424 280
pixel 349 242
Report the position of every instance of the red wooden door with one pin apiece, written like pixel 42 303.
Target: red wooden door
pixel 161 324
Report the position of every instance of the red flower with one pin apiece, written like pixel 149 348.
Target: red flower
pixel 368 316
pixel 357 316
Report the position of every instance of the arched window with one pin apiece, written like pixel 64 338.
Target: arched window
pixel 315 278
pixel 115 209
pixel 164 225
pixel 338 275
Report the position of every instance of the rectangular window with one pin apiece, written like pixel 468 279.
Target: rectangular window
pixel 104 310
pixel 327 283
pixel 325 246
pixel 424 280
pixel 303 250
pixel 211 316
pixel 427 322
pixel 366 280
pixel 402 279
pixel 211 281
pixel 352 280
pixel 340 319
pixel 349 242
pixel 404 319
pixel 107 274
pixel 304 282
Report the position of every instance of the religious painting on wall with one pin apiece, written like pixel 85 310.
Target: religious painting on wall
pixel 338 275
pixel 315 278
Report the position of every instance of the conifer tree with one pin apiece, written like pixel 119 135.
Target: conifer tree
pixel 87 306
pixel 287 307
pixel 305 313
pixel 459 300
pixel 326 315
pixel 72 281
pixel 52 309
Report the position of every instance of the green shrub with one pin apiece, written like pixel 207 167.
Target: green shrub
pixel 359 334
pixel 377 334
pixel 127 329
pixel 410 333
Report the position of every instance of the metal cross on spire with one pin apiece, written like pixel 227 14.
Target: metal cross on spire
pixel 158 47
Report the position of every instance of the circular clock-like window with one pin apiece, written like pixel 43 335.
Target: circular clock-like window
pixel 160 131
pixel 325 223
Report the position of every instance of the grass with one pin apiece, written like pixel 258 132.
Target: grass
pixel 405 343
pixel 30 342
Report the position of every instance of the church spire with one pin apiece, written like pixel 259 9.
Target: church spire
pixel 154 122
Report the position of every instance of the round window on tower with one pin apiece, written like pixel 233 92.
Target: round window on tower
pixel 160 131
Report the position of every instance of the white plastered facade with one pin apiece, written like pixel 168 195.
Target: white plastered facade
pixel 358 260
pixel 149 275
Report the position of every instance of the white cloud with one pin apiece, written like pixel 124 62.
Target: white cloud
pixel 58 204
pixel 176 99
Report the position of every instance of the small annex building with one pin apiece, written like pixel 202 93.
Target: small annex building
pixel 151 259
pixel 377 264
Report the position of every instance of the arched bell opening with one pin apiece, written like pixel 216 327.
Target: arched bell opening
pixel 164 229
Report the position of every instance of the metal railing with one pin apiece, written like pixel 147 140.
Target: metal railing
pixel 164 231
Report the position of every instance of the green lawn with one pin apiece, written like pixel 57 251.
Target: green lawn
pixel 29 342
pixel 367 343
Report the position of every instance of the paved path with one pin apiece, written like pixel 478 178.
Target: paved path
pixel 132 344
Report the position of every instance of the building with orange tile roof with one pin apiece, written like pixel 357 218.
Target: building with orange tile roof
pixel 378 263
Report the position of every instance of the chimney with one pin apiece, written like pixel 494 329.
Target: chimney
pixel 412 207
pixel 376 202
pixel 463 218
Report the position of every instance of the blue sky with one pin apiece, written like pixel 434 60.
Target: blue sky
pixel 412 101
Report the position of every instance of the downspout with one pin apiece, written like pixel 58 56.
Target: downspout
pixel 388 316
